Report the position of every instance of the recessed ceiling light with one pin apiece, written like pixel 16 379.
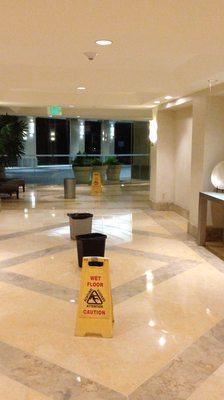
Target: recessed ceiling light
pixel 168 97
pixel 81 88
pixel 104 42
pixel 157 102
pixel 78 116
pixel 71 106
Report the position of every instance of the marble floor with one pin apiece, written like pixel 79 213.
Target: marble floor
pixel 168 341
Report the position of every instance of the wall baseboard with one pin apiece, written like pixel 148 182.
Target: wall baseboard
pixel 192 230
pixel 169 207
pixel 179 210
pixel 159 206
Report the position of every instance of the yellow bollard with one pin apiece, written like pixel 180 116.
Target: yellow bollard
pixel 95 309
pixel 96 187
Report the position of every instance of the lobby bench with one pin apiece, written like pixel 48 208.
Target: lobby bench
pixel 18 182
pixel 9 188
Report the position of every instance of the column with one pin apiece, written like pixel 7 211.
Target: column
pixel 107 137
pixel 77 137
pixel 162 162
pixel 29 158
pixel 141 145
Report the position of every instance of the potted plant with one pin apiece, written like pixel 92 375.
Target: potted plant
pixel 82 168
pixel 98 166
pixel 114 169
pixel 12 135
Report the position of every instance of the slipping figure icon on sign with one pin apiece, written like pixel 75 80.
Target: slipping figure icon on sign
pixel 94 298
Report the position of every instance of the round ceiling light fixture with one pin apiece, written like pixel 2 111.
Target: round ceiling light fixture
pixel 104 42
pixel 168 97
pixel 157 102
pixel 81 88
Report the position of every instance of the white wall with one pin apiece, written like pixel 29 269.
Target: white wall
pixel 171 159
pixel 162 161
pixel 182 156
pixel 190 143
pixel 207 148
pixel 214 138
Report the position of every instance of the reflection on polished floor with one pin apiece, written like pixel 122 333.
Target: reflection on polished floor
pixel 168 339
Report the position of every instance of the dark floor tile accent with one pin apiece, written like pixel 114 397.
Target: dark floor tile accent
pixel 36 285
pixel 139 285
pixel 120 293
pixel 152 234
pixel 181 376
pixel 211 258
pixel 189 240
pixel 146 254
pixel 30 231
pixel 9 262
pixel 170 226
pixel 48 378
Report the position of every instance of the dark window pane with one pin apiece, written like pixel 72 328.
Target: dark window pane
pixel 61 130
pixel 92 137
pixel 123 140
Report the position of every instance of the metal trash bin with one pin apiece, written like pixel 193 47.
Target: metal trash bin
pixel 80 224
pixel 69 188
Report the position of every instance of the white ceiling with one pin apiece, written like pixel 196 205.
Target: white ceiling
pixel 159 47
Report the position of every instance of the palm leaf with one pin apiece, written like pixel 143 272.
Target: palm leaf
pixel 12 133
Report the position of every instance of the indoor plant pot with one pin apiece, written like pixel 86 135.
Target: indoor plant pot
pixel 82 168
pixel 113 169
pixel 113 173
pixel 82 174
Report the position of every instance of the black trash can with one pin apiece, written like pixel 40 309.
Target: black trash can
pixel 92 244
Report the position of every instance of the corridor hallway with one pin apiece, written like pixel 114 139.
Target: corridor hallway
pixel 168 341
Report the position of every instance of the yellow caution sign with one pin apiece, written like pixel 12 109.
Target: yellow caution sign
pixel 96 183
pixel 95 309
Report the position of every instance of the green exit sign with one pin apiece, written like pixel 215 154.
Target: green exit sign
pixel 54 110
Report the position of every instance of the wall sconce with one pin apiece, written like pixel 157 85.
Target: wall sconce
pixel 31 127
pixel 217 177
pixel 104 136
pixel 153 127
pixel 111 131
pixel 52 136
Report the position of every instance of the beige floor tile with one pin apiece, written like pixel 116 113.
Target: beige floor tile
pixel 61 269
pixel 125 268
pixel 169 247
pixel 176 219
pixel 27 244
